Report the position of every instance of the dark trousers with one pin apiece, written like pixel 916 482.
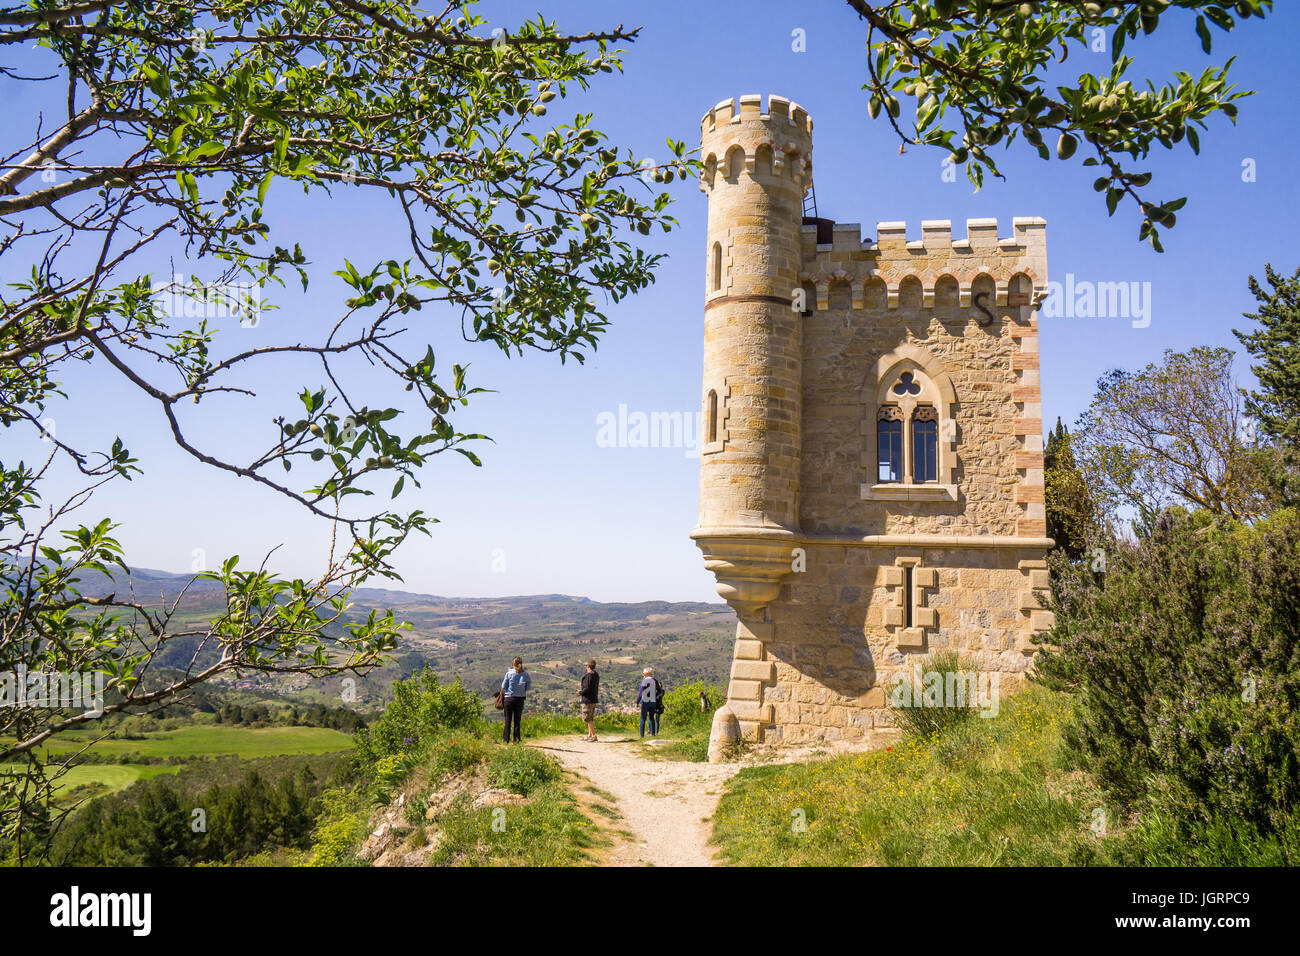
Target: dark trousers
pixel 650 712
pixel 514 714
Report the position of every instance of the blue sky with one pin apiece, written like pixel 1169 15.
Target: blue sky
pixel 551 510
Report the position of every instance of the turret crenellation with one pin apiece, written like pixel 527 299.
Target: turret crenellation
pixel 780 110
pixel 776 144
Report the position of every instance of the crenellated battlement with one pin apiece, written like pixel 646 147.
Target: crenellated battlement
pixel 780 110
pixel 935 267
pixel 776 143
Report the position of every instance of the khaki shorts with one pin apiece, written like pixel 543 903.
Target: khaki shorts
pixel 588 711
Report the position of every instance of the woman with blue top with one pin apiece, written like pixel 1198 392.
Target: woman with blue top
pixel 514 686
pixel 648 696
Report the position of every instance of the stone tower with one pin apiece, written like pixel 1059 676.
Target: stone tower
pixel 871 484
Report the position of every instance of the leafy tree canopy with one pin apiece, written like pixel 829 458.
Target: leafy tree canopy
pixel 181 122
pixel 1174 433
pixel 986 72
pixel 1276 346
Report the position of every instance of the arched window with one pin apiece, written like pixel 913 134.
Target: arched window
pixel 925 444
pixel 909 407
pixel 711 429
pixel 889 444
pixel 717 267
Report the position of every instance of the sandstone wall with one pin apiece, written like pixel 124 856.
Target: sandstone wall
pixel 821 669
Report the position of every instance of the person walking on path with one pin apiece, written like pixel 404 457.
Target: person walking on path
pixel 590 695
pixel 647 695
pixel 515 688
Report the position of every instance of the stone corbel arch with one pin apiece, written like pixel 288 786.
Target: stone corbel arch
pixel 937 388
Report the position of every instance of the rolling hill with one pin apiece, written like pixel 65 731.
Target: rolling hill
pixel 476 638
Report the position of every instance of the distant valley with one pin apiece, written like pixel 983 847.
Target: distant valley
pixel 476 638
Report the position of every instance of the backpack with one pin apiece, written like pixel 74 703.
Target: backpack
pixel 659 697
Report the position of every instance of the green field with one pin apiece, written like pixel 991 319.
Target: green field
pixel 205 740
pixel 108 776
pixel 212 740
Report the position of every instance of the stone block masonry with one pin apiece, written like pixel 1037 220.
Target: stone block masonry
pixel 871 481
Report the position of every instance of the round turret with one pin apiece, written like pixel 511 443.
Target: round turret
pixel 758 166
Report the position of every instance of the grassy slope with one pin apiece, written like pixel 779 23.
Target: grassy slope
pixel 548 830
pixel 553 827
pixel 990 792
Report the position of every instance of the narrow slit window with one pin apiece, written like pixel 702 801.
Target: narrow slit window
pixel 889 445
pixel 907 596
pixel 712 417
pixel 717 266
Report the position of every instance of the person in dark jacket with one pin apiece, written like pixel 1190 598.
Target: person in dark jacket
pixel 647 696
pixel 589 695
pixel 515 688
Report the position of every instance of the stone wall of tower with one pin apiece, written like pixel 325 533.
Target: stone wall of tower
pixel 822 668
pixel 960 308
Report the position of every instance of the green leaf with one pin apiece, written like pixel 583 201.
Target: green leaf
pixel 202 151
pixel 1203 32
pixel 1222 19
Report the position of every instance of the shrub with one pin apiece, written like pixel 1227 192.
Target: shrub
pixel 522 770
pixel 389 772
pixel 1159 839
pixel 422 710
pixel 340 828
pixel 682 705
pixel 456 755
pixel 1185 656
pixel 915 717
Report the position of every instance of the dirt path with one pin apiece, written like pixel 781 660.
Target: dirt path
pixel 666 804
